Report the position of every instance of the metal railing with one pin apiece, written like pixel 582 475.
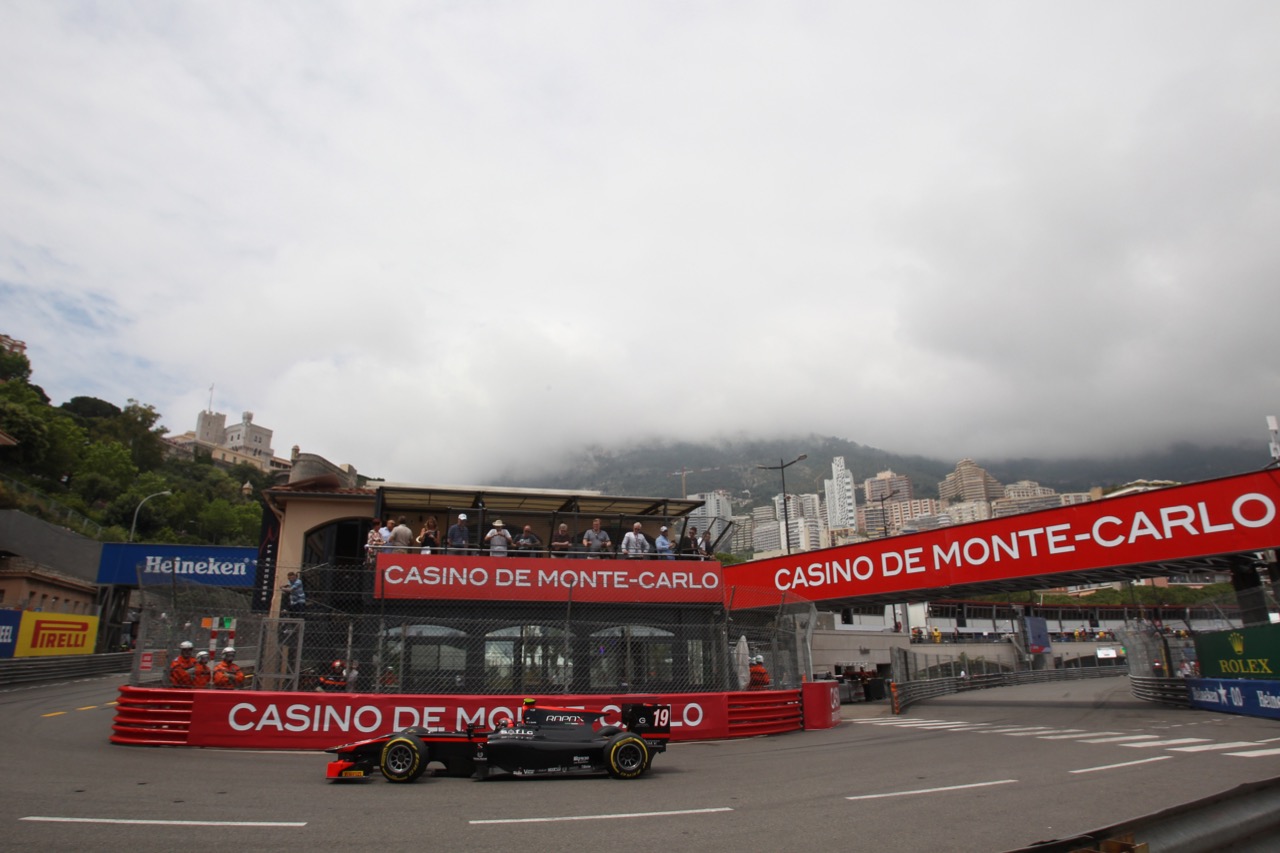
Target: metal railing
pixel 1166 691
pixel 62 667
pixel 909 692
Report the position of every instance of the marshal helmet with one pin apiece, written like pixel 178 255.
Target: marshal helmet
pixel 228 652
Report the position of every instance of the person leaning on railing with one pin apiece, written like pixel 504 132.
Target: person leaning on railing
pixel 561 541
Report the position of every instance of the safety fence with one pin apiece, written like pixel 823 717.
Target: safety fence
pixel 62 667
pixel 905 694
pixel 347 639
pixel 1166 691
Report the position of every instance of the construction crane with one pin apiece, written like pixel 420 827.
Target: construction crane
pixel 683 472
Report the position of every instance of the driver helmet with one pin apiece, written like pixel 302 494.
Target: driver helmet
pixel 228 652
pixel 337 665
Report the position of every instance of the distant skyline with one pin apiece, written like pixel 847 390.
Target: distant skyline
pixel 446 242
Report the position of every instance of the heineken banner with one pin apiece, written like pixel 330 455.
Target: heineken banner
pixel 1241 653
pixel 1249 697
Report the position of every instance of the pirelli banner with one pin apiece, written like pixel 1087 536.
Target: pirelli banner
pixel 484 578
pixel 50 634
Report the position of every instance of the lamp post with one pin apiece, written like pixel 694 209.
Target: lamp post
pixel 133 527
pixel 782 467
pixel 884 520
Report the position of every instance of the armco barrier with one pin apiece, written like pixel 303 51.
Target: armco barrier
pixel 62 667
pixel 763 712
pixel 1166 691
pixel 253 719
pixel 151 716
pixel 908 693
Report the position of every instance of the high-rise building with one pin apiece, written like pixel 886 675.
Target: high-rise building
pixel 842 496
pixel 881 492
pixel 714 514
pixel 968 482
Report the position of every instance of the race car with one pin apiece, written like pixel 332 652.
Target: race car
pixel 545 741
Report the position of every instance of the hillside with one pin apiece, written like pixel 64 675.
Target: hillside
pixel 654 469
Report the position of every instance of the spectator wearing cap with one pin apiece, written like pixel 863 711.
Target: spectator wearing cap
pixel 457 539
pixel 498 539
pixel 663 545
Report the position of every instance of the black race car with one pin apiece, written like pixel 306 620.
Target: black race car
pixel 547 741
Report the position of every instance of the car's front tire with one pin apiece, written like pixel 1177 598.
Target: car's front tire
pixel 403 758
pixel 627 757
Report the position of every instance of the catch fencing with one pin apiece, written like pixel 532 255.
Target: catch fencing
pixel 346 638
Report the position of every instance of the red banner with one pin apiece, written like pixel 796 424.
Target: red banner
pixel 1230 515
pixel 271 720
pixel 467 577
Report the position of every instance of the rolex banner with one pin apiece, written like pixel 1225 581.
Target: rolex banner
pixel 1240 653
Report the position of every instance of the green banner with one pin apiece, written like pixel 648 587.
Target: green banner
pixel 1240 653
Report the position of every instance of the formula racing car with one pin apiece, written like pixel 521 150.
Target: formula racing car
pixel 545 741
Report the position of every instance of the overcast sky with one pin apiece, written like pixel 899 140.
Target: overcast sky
pixel 437 240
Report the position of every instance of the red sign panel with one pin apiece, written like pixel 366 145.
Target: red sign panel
pixel 480 578
pixel 1230 515
pixel 269 720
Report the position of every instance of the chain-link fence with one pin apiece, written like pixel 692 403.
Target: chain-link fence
pixel 345 638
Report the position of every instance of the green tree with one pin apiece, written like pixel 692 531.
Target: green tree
pixel 105 470
pixel 14 366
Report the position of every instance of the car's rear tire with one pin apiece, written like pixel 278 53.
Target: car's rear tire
pixel 403 758
pixel 627 756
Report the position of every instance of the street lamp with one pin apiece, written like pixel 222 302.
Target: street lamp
pixel 133 527
pixel 884 519
pixel 782 467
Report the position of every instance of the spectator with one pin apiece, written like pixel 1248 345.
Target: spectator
pixel 429 538
pixel 561 541
pixel 401 537
pixel 663 545
pixel 228 675
pixel 373 543
pixel 705 551
pixel 385 531
pixel 689 544
pixel 201 675
pixel 528 542
pixel 457 537
pixel 297 596
pixel 183 666
pixel 634 543
pixel 596 540
pixel 498 539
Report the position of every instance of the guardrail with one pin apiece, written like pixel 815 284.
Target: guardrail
pixel 909 692
pixel 765 712
pixel 1166 691
pixel 62 667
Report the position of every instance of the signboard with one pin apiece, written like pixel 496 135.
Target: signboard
pixel 1242 653
pixel 1037 635
pixel 466 577
pixel 1226 516
pixel 211 565
pixel 1236 696
pixel 271 720
pixel 9 622
pixel 48 634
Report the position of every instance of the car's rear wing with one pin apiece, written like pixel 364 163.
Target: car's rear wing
pixel 648 721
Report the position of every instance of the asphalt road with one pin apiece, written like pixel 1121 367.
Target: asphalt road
pixel 983 771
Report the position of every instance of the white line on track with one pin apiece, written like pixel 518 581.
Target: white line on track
pixel 1125 764
pixel 600 816
pixel 250 823
pixel 932 790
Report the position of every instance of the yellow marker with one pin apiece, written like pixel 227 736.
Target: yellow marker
pixel 54 714
pixel 87 708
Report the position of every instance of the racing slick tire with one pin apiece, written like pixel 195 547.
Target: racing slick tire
pixel 627 756
pixel 403 758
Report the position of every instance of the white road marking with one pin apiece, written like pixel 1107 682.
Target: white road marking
pixel 1170 742
pixel 932 790
pixel 600 816
pixel 1082 734
pixel 251 823
pixel 1211 746
pixel 1256 753
pixel 1125 764
pixel 1120 739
